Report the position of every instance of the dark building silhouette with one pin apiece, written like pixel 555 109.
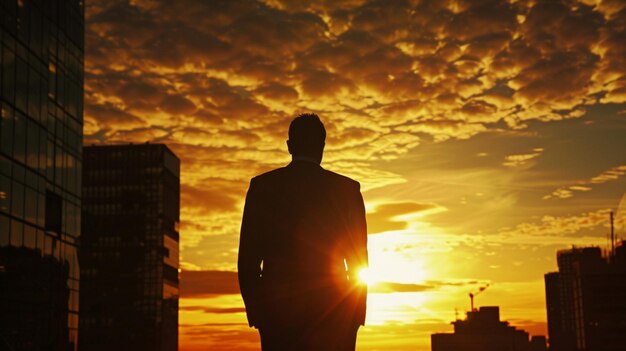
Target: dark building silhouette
pixel 41 119
pixel 129 248
pixel 586 300
pixel 482 330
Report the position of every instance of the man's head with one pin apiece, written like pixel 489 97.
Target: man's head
pixel 306 136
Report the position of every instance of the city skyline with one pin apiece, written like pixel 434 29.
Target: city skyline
pixel 483 330
pixel 486 135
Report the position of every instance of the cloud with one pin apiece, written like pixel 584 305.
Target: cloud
pixel 385 56
pixel 198 284
pixel 609 175
pixel 391 287
pixel 444 129
pixel 208 283
pixel 176 105
pixel 585 185
pixel 229 336
pixel 276 91
pixel 110 116
pixel 219 82
pixel 520 160
pixel 395 216
pixel 388 287
pixel 209 195
pixel 318 83
pixel 267 31
pixel 218 310
pixel 550 226
pixel 562 80
pixel 482 19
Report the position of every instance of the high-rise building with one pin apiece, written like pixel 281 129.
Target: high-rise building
pixel 129 248
pixel 41 119
pixel 559 336
pixel 586 300
pixel 483 330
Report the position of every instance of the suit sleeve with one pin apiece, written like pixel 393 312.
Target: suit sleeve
pixel 357 257
pixel 250 256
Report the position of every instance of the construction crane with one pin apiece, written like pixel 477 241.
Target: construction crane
pixel 472 295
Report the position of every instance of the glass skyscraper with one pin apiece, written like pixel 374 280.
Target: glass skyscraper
pixel 586 300
pixel 129 248
pixel 41 119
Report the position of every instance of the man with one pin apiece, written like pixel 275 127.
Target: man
pixel 303 241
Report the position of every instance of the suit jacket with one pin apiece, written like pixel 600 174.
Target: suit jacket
pixel 303 240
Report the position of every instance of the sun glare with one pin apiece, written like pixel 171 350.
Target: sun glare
pixel 365 276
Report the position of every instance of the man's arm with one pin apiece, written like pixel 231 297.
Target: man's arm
pixel 357 258
pixel 249 262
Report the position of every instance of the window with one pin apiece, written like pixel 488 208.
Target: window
pixel 17 200
pixel 30 237
pixel 17 231
pixel 8 74
pixel 32 146
pixel 5 193
pixel 30 208
pixel 19 138
pixel 53 212
pixel 21 85
pixel 6 127
pixel 4 230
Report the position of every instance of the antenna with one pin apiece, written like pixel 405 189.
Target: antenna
pixel 612 237
pixel 472 295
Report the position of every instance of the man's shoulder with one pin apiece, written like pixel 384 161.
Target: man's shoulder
pixel 282 173
pixel 342 180
pixel 269 176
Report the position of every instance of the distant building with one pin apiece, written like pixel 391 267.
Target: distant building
pixel 129 248
pixel 482 330
pixel 41 134
pixel 586 300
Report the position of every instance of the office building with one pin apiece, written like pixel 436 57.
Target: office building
pixel 129 248
pixel 482 330
pixel 586 300
pixel 41 119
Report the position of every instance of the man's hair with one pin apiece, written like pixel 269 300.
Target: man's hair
pixel 307 134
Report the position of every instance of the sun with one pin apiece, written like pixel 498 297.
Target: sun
pixel 365 276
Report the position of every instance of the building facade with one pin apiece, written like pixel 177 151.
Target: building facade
pixel 586 300
pixel 483 330
pixel 129 248
pixel 41 119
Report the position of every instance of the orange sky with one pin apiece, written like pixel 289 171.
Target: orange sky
pixel 486 136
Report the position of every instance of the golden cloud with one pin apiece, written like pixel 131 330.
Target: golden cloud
pixel 219 81
pixel 609 175
pixel 520 160
pixel 208 283
pixel 395 216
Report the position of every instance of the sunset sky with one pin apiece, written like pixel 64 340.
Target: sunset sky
pixel 486 136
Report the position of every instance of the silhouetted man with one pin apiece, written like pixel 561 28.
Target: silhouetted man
pixel 303 241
